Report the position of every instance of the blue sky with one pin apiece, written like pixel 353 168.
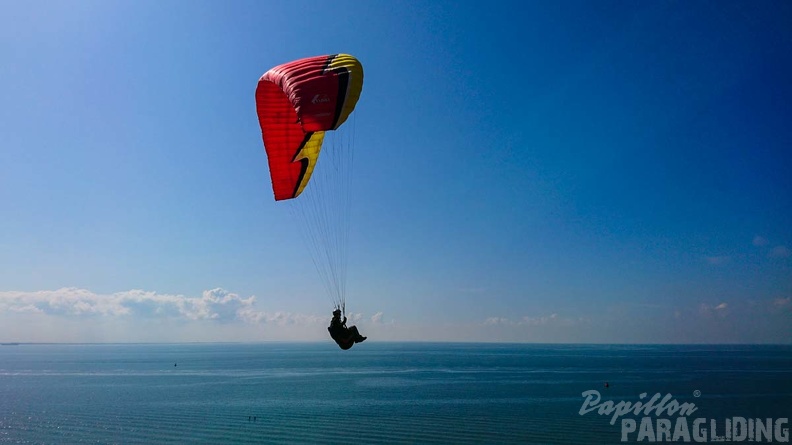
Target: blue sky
pixel 525 171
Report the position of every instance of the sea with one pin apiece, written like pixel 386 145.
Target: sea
pixel 393 393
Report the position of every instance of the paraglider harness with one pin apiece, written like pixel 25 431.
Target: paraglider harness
pixel 339 332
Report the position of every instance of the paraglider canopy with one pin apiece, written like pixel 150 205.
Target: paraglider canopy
pixel 296 103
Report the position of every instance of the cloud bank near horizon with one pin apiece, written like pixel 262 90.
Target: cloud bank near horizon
pixel 214 304
pixel 73 314
pixel 76 315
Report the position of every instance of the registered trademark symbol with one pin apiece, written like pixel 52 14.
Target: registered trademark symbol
pixel 697 393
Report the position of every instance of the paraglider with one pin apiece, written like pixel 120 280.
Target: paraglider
pixel 344 336
pixel 298 103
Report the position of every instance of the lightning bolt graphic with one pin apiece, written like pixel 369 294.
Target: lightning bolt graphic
pixel 307 154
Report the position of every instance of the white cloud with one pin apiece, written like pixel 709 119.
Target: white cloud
pixel 496 321
pixel 376 318
pixel 538 321
pixel 759 241
pixel 708 309
pixel 29 309
pixel 215 304
pixel 780 252
pixel 717 260
pixel 545 320
pixel 783 302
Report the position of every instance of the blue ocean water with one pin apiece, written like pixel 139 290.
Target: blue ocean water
pixel 412 393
